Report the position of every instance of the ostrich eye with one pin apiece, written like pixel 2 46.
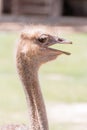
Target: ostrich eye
pixel 43 38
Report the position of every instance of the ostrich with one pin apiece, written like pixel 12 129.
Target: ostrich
pixel 33 50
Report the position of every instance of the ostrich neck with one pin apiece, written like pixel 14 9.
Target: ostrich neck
pixel 29 77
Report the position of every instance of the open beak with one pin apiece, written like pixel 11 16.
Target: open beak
pixel 56 40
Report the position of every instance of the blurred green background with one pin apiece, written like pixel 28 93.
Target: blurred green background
pixel 62 80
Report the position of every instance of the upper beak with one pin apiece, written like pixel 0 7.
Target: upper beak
pixel 61 41
pixel 57 40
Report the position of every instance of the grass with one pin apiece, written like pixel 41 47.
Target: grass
pixel 68 126
pixel 63 80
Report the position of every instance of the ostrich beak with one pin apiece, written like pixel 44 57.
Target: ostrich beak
pixel 57 40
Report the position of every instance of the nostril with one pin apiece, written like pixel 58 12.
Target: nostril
pixel 60 39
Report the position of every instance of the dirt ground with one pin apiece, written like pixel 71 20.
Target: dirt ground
pixel 68 113
pixel 12 22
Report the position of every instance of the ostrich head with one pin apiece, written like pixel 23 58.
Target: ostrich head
pixel 35 45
